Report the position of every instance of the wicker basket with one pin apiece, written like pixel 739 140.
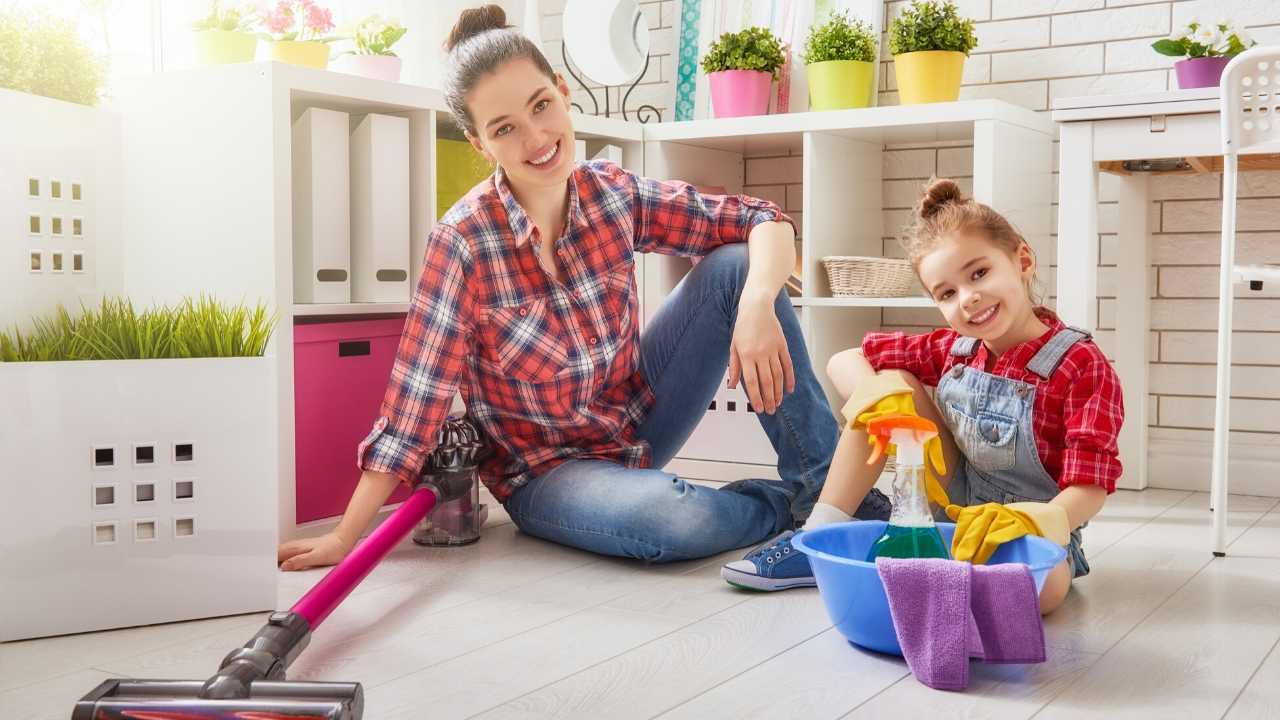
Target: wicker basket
pixel 853 276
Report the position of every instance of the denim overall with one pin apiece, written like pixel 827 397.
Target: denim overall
pixel 990 418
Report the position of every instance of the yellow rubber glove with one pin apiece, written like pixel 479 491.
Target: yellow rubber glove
pixel 1051 519
pixel 885 393
pixel 980 529
pixel 888 393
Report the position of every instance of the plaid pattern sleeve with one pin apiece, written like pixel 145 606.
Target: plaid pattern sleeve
pixel 1092 413
pixel 429 362
pixel 924 355
pixel 673 218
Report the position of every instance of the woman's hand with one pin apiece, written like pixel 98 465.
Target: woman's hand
pixel 327 549
pixel 758 355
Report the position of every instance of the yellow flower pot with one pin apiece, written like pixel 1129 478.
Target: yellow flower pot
pixel 928 76
pixel 840 84
pixel 220 47
pixel 308 53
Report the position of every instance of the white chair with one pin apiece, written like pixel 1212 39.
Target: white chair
pixel 1250 97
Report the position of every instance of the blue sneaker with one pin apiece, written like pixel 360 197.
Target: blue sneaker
pixel 776 565
pixel 875 506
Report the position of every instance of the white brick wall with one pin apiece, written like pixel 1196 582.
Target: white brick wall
pixel 1030 52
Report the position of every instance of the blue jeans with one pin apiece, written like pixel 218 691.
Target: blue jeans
pixel 610 509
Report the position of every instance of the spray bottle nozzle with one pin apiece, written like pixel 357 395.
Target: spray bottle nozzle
pixel 908 428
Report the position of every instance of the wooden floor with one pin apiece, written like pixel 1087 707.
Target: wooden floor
pixel 514 627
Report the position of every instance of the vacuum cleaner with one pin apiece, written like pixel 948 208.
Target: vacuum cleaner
pixel 251 684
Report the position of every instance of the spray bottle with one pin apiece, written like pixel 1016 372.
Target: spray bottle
pixel 911 532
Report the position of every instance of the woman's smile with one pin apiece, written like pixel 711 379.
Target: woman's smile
pixel 544 160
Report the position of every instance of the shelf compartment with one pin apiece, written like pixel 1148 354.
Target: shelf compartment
pixel 869 302
pixel 777 134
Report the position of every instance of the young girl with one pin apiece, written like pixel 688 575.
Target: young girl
pixel 528 306
pixel 1028 409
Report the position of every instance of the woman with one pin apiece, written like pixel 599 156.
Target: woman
pixel 528 304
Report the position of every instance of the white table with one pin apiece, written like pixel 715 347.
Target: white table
pixel 1100 132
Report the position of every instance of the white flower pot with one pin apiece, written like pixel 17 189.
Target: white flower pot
pixel 136 492
pixel 378 67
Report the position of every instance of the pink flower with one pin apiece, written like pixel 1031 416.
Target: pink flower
pixel 319 19
pixel 278 21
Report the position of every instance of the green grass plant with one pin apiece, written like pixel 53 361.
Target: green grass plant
pixel 116 330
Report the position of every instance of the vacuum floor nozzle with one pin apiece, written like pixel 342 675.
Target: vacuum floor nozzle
pixel 119 699
pixel 250 684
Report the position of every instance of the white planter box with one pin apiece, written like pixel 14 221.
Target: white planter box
pixel 135 492
pixel 321 207
pixel 380 209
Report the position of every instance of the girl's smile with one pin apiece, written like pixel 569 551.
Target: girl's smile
pixel 982 290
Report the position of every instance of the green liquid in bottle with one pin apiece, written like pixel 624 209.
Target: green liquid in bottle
pixel 909 542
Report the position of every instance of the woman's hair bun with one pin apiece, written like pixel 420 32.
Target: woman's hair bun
pixel 474 21
pixel 939 194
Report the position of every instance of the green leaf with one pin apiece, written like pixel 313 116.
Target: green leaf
pixel 840 39
pixel 931 25
pixel 1167 46
pixel 115 330
pixel 375 36
pixel 755 48
pixel 45 55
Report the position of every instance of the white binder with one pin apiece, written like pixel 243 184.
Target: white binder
pixel 613 153
pixel 321 208
pixel 380 244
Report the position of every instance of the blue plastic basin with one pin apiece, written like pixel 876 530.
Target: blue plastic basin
pixel 851 587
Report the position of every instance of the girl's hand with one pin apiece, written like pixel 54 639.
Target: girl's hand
pixel 328 549
pixel 758 355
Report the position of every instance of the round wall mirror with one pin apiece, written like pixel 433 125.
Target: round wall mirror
pixel 607 39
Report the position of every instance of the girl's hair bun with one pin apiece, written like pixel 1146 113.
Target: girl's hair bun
pixel 938 195
pixel 474 21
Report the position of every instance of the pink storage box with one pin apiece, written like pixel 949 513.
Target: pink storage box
pixel 340 372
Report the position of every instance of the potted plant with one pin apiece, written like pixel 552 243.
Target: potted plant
pixel 154 437
pixel 840 57
pixel 225 36
pixel 1207 48
pixel 741 67
pixel 296 30
pixel 930 42
pixel 372 57
pixel 43 55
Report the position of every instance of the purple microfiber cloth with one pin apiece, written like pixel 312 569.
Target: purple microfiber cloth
pixel 1006 610
pixel 929 602
pixel 945 612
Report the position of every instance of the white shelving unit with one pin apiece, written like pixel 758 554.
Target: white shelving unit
pixel 841 215
pixel 887 302
pixel 184 239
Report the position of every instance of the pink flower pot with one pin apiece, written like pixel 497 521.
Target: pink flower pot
pixel 378 67
pixel 1200 72
pixel 737 93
